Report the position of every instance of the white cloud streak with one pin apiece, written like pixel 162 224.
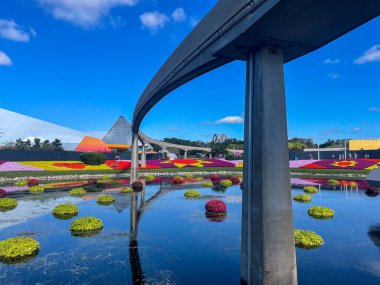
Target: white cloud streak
pixel 334 76
pixel 154 20
pixel 370 55
pixel 331 61
pixel 179 15
pixel 10 30
pixel 4 59
pixel 230 120
pixel 374 109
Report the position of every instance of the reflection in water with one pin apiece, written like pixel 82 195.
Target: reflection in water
pixel 374 234
pixel 372 192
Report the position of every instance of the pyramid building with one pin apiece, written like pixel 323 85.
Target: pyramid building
pixel 120 134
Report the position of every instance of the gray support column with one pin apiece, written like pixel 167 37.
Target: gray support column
pixel 270 218
pixel 135 158
pixel 143 155
pixel 185 156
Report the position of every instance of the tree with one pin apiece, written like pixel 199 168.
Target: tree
pixel 46 145
pixel 218 149
pixel 36 144
pixel 57 145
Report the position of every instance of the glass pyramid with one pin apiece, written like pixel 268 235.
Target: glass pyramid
pixel 120 133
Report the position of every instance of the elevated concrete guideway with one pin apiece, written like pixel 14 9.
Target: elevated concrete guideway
pixel 266 34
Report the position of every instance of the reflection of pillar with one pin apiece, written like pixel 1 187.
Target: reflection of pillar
pixel 135 158
pixel 271 252
pixel 142 197
pixel 143 155
pixel 185 155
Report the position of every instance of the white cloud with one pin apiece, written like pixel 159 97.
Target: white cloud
pixel 231 120
pixel 83 13
pixel 332 61
pixel 371 55
pixel 154 20
pixel 179 15
pixel 356 130
pixel 193 22
pixel 4 59
pixel 10 30
pixel 334 75
pixel 374 109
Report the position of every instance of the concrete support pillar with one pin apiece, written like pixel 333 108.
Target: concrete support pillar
pixel 143 155
pixel 185 155
pixel 268 216
pixel 135 158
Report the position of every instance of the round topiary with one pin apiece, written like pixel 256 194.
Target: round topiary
pixel 333 182
pixel 235 180
pixel 226 183
pixel 352 184
pixel 320 212
pixel 191 194
pixel 310 189
pixel 77 192
pixel 137 186
pixel 176 180
pixel 149 177
pixel 21 183
pixel 126 190
pixel 215 179
pixel 65 211
pixel 207 184
pixel 86 226
pixel 189 176
pixel 7 204
pixel 18 249
pixel 33 182
pixel 307 239
pixel 216 206
pixel 3 193
pixel 302 198
pixel 105 200
pixel 36 190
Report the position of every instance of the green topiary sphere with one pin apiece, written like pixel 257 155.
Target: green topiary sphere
pixel 333 182
pixel 126 190
pixel 65 211
pixel 105 200
pixel 21 183
pixel 86 226
pixel 303 198
pixel 7 204
pixel 320 212
pixel 149 177
pixel 36 190
pixel 18 249
pixel 191 194
pixel 226 183
pixel 307 239
pixel 78 192
pixel 207 184
pixel 310 189
pixel 189 176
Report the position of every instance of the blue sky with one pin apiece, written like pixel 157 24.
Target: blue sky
pixel 81 64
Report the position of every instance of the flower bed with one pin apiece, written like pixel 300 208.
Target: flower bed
pixel 77 192
pixel 216 206
pixel 36 190
pixel 302 198
pixel 351 164
pixel 319 212
pixel 310 189
pixel 105 200
pixel 191 194
pixel 11 166
pixel 307 239
pixel 126 190
pixel 18 249
pixel 86 226
pixel 7 204
pixel 65 211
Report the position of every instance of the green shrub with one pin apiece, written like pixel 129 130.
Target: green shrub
pixel 333 182
pixel 126 190
pixel 105 200
pixel 189 176
pixel 226 183
pixel 65 211
pixel 93 158
pixel 86 226
pixel 310 189
pixel 320 212
pixel 307 239
pixel 77 192
pixel 18 249
pixel 207 184
pixel 191 194
pixel 7 204
pixel 149 177
pixel 21 183
pixel 36 190
pixel 303 198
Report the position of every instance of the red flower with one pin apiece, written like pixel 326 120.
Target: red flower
pixel 235 180
pixel 33 182
pixel 3 193
pixel 137 186
pixel 70 165
pixel 216 206
pixel 177 180
pixel 215 179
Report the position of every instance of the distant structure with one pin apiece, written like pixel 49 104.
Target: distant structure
pixel 370 144
pixel 219 138
pixel 120 133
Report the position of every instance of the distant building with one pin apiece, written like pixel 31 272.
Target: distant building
pixel 368 144
pixel 219 138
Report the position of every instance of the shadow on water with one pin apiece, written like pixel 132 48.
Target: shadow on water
pixel 374 234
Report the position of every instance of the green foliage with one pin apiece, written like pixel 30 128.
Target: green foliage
pixel 21 183
pixel 105 200
pixel 302 198
pixel 78 192
pixel 226 183
pixel 149 177
pixel 85 224
pixel 126 190
pixel 7 204
pixel 65 211
pixel 320 212
pixel 93 158
pixel 189 176
pixel 296 146
pixel 304 142
pixel 307 239
pixel 36 190
pixel 37 144
pixel 333 143
pixel 18 249
pixel 207 184
pixel 310 189
pixel 191 194
pixel 333 182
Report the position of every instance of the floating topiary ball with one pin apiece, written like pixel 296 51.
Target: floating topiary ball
pixel 310 189
pixel 3 193
pixel 215 179
pixel 86 226
pixel 302 198
pixel 189 176
pixel 352 184
pixel 333 182
pixel 192 194
pixel 65 211
pixel 105 200
pixel 77 192
pixel 226 183
pixel 18 249
pixel 307 239
pixel 176 180
pixel 137 186
pixel 235 180
pixel 207 184
pixel 149 177
pixel 126 190
pixel 36 190
pixel 21 183
pixel 216 206
pixel 7 204
pixel 33 182
pixel 320 212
